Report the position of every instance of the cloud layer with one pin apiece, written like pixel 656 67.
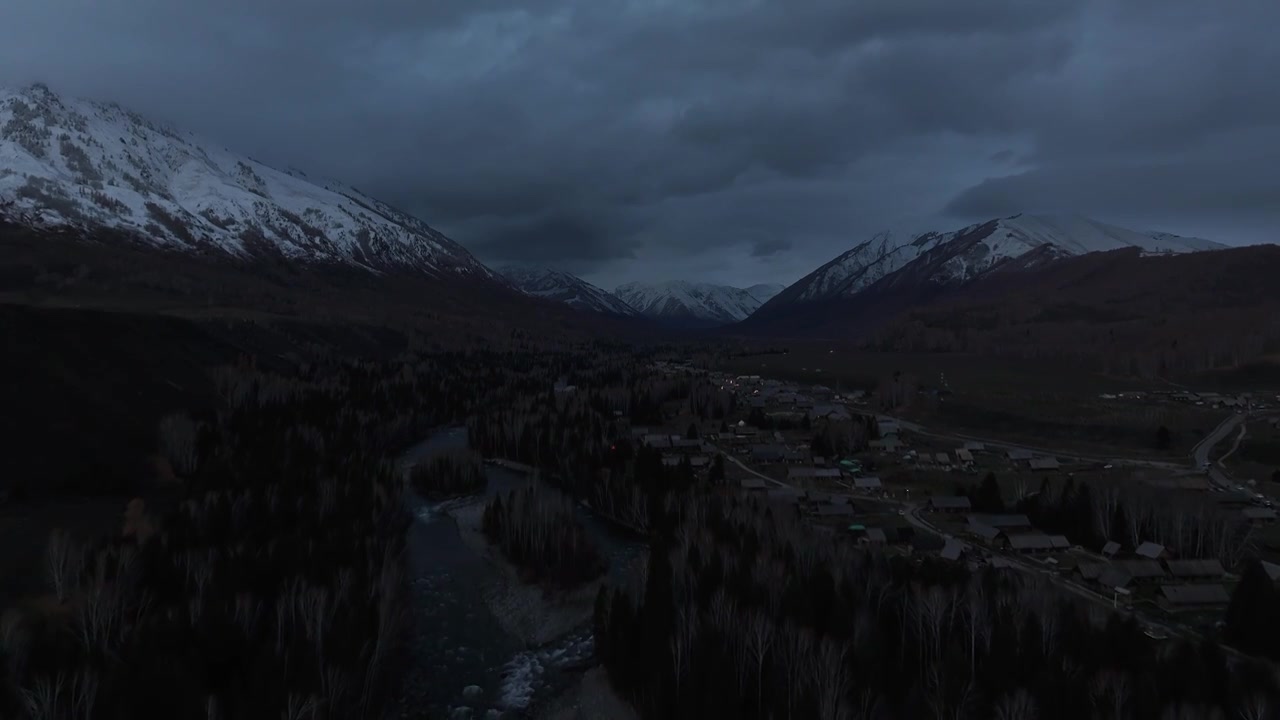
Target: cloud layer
pixel 730 140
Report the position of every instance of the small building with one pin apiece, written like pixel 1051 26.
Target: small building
pixel 991 536
pixel 1186 597
pixel 753 483
pixel 1019 455
pixel 1185 570
pixel 1006 522
pixel 1151 551
pixel 1259 515
pixel 800 474
pixel 1114 578
pixel 953 550
pixel 964 456
pixel 950 503
pixel 888 428
pixel 767 454
pixel 873 537
pixel 942 458
pixel 1272 570
pixel 655 440
pixel 834 510
pixel 974 447
pixel 1036 542
pixel 867 484
pixel 1110 549
pixel 1045 463
pixel 819 460
pixel 1142 571
pixel 785 496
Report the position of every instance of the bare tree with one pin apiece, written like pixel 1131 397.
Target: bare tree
pixel 1256 706
pixel 796 650
pixel 62 563
pixel 1110 694
pixel 178 435
pixel 759 636
pixel 686 633
pixel 1018 705
pixel 831 681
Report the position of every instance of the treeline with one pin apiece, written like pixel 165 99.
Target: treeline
pixel 538 532
pixel 448 475
pixel 272 585
pixel 746 614
pixel 274 589
pixel 1091 514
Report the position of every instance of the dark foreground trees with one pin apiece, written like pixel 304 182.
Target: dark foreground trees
pixel 537 530
pixel 746 614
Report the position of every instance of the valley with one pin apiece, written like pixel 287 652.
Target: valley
pixel 277 449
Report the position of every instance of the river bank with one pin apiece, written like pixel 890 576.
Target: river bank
pixel 532 614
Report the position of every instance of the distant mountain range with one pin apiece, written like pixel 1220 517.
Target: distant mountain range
pixel 920 267
pixel 566 288
pixel 691 304
pixel 76 170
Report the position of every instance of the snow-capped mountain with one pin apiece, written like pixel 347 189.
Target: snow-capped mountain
pixel 566 288
pixel 92 166
pixel 894 261
pixel 680 301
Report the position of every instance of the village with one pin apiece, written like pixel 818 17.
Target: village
pixel 911 492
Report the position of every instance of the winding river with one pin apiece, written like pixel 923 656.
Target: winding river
pixel 458 643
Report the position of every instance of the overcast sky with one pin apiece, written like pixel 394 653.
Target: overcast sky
pixel 736 141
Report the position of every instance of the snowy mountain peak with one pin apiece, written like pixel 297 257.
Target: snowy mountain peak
pixel 89 165
pixel 566 288
pixel 694 303
pixel 897 260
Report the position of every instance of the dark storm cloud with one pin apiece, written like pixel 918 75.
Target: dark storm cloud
pixel 699 133
pixel 766 247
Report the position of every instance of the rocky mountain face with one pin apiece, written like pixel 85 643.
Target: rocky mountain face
pixel 69 163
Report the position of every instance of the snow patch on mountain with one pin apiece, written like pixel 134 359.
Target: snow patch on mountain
pixel 70 163
pixel 566 288
pixel 680 300
pixel 764 292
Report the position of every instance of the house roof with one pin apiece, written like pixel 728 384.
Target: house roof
pixel 985 532
pixel 1001 520
pixel 876 535
pixel 974 446
pixel 1150 550
pixel 1195 568
pixel 964 455
pixel 1272 570
pixel 867 482
pixel 1114 577
pixel 1018 454
pixel 1044 463
pixel 1111 548
pixel 1208 594
pixel 1091 571
pixel 1141 568
pixel 1038 541
pixel 952 550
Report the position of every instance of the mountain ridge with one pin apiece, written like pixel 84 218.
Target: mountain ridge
pixel 73 163
pixel 566 288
